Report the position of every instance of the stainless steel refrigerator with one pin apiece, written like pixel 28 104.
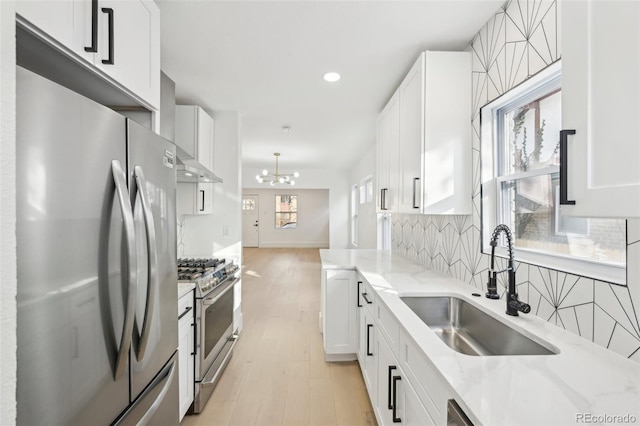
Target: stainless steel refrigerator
pixel 96 243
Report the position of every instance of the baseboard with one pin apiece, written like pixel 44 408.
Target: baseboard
pixel 312 244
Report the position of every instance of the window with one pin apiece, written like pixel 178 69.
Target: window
pixel 354 215
pixel 286 211
pixel 248 204
pixel 520 163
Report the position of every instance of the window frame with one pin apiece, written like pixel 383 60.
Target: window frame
pixel 355 202
pixel 491 161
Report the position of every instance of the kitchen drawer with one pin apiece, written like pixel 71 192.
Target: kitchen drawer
pixel 185 306
pixel 429 386
pixel 388 326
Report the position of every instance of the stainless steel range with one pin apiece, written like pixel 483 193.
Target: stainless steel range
pixel 215 338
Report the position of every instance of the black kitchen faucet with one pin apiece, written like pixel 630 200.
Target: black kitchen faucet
pixel 513 304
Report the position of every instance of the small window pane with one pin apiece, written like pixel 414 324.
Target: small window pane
pixel 533 131
pixel 286 216
pixel 531 206
pixel 248 204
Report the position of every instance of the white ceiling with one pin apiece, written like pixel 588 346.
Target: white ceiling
pixel 265 59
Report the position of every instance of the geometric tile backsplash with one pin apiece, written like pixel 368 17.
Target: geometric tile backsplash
pixel 517 42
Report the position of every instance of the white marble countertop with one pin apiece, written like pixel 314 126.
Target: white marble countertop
pixel 184 288
pixel 583 378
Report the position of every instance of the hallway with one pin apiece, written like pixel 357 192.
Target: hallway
pixel 277 374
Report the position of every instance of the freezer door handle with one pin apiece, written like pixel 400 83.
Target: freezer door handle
pixel 131 271
pixel 152 265
pixel 163 381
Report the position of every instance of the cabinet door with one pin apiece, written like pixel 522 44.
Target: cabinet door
pixel 382 160
pixel 388 138
pixel 601 102
pixel 392 197
pixel 370 358
pixel 204 198
pixel 129 46
pixel 411 138
pixel 387 368
pixel 447 134
pixel 185 375
pixel 205 139
pixel 412 412
pixel 340 316
pixel 67 22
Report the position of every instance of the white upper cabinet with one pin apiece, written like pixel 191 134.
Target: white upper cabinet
pixel 129 46
pixel 411 137
pixel 118 39
pixel 388 138
pixel 194 134
pixel 601 103
pixel 434 135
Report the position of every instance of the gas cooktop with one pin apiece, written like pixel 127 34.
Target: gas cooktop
pixel 205 273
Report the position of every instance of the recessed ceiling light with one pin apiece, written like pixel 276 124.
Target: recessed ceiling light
pixel 331 77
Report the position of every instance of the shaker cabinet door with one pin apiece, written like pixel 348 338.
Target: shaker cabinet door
pixel 601 103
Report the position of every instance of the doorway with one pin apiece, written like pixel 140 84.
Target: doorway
pixel 250 221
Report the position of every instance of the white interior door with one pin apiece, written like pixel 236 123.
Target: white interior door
pixel 250 223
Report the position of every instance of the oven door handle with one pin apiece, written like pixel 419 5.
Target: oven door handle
pixel 152 265
pixel 233 339
pixel 210 301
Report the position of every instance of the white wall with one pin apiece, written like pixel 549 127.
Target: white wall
pixel 367 225
pixel 336 181
pixel 7 214
pixel 313 218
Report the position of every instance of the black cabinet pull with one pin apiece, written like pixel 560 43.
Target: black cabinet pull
pixel 358 294
pixel 109 12
pixel 202 207
pixel 564 136
pixel 366 298
pixel 390 404
pixel 396 419
pixel 383 201
pixel 369 327
pixel 185 312
pixel 414 193
pixel 94 28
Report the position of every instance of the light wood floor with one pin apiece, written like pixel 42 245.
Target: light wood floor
pixel 277 374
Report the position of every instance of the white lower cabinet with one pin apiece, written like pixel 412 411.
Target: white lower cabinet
pixel 367 353
pixel 340 296
pixel 186 344
pixel 397 401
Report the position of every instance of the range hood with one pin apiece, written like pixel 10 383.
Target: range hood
pixel 189 170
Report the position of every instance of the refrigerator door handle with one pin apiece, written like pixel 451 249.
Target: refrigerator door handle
pixel 134 415
pixel 120 181
pixel 152 264
pixel 156 404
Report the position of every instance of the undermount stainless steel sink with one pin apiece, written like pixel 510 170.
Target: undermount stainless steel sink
pixel 468 330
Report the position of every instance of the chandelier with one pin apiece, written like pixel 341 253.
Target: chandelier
pixel 277 177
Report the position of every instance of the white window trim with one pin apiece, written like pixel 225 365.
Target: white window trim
pixel 489 187
pixel 355 203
